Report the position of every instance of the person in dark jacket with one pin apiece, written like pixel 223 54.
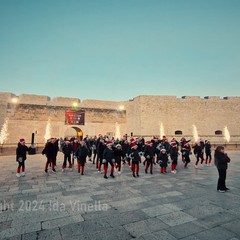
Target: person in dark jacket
pixel 198 154
pixel 67 150
pixel 100 150
pixel 126 151
pixel 149 154
pixel 221 161
pixel 108 157
pixel 118 155
pixel 21 156
pixel 186 152
pixel 208 153
pixel 82 153
pixel 163 160
pixel 136 159
pixel 55 151
pixel 50 152
pixel 75 145
pixel 174 156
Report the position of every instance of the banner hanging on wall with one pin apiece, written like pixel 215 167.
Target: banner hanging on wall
pixel 73 117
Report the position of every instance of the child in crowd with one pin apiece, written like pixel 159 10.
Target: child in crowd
pixel 163 160
pixel 136 159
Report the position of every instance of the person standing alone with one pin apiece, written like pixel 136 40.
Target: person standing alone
pixel 221 161
pixel 21 156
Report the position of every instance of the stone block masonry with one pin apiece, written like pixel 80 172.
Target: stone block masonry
pixel 141 116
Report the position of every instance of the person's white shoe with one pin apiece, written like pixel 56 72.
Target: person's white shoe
pixel 196 166
pixel 18 175
pixel 23 174
pixel 222 191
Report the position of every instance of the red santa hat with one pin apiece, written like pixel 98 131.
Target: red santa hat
pixel 67 141
pixel 174 144
pixel 134 145
pixel 148 142
pixel 50 139
pixel 164 138
pixel 132 140
pixel 163 150
pixel 155 138
pixel 75 139
pixel 108 143
pixel 118 145
pixel 22 140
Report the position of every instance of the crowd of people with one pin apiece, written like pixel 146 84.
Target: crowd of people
pixel 105 152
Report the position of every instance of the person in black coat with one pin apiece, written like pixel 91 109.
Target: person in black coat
pixel 149 154
pixel 21 156
pixel 208 152
pixel 118 155
pixel 81 154
pixel 67 150
pixel 174 156
pixel 198 154
pixel 221 161
pixel 136 159
pixel 186 152
pixel 55 150
pixel 100 150
pixel 108 157
pixel 126 151
pixel 163 160
pixel 50 152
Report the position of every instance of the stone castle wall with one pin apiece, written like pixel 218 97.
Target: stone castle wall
pixel 207 114
pixel 141 116
pixel 31 113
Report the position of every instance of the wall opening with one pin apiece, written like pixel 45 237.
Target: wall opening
pixel 73 132
pixel 178 132
pixel 218 132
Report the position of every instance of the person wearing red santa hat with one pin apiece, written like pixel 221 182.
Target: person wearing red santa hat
pixel 132 140
pixel 67 150
pixel 118 155
pixel 186 151
pixel 82 153
pixel 108 157
pixel 136 159
pixel 174 156
pixel 163 160
pixel 21 157
pixel 149 153
pixel 208 153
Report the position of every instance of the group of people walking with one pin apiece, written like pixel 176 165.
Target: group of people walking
pixel 104 151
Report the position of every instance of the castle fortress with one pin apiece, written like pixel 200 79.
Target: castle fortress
pixel 141 116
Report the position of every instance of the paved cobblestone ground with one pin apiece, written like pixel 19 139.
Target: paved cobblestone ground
pixel 67 205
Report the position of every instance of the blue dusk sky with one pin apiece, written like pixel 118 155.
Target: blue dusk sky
pixel 119 49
